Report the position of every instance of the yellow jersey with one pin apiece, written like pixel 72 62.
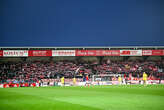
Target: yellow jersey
pixel 74 80
pixel 119 79
pixel 144 76
pixel 62 80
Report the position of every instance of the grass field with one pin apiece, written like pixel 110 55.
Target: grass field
pixel 131 97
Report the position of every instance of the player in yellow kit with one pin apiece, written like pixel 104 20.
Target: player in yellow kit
pixel 62 81
pixel 74 81
pixel 120 80
pixel 144 78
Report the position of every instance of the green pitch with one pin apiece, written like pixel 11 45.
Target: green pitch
pixel 131 97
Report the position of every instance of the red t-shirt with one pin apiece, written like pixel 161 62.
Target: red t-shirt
pixel 33 84
pixel 26 84
pixel 87 78
pixel 125 76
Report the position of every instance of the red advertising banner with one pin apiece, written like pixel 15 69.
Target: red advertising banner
pixel 25 53
pixel 110 52
pixel 85 52
pixel 15 53
pixel 1 53
pixel 152 52
pixel 130 52
pixel 157 52
pixel 40 52
pixel 63 52
pixel 97 52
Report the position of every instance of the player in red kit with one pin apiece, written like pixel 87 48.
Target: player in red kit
pixel 87 80
pixel 125 78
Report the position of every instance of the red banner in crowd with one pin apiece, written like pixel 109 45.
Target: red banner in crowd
pixel 130 52
pixel 97 52
pixel 15 53
pixel 63 52
pixel 1 53
pixel 40 53
pixel 152 52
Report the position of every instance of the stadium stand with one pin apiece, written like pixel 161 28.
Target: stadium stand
pixel 33 70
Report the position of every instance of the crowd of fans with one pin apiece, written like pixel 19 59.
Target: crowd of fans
pixel 33 71
pixel 135 68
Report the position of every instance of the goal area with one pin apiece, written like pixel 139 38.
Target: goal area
pixel 108 79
